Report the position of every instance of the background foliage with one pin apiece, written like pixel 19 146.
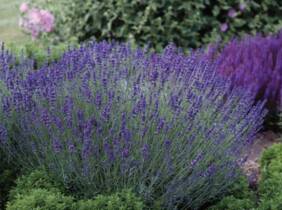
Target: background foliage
pixel 186 23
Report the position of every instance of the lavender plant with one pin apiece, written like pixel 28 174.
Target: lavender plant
pixel 107 117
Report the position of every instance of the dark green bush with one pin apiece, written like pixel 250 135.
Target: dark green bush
pixel 273 121
pixel 187 23
pixel 8 176
pixel 41 199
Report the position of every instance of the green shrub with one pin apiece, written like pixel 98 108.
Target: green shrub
pixel 233 203
pixel 41 199
pixel 270 186
pixel 186 23
pixel 124 200
pixel 270 203
pixel 271 173
pixel 38 179
pixel 239 197
pixel 38 191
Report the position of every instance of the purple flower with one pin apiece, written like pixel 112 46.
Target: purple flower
pixel 210 171
pixel 223 27
pixel 232 13
pixel 145 151
pixel 109 152
pixel 167 144
pixel 196 159
pixel 98 99
pixel 67 110
pixel 3 134
pixel 86 148
pixel 125 153
pixel 242 6
pixel 71 147
pixel 161 124
pixel 106 112
pixel 45 117
pixel 57 146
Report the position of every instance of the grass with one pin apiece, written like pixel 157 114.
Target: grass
pixel 9 18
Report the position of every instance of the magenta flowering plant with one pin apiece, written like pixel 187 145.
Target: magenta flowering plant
pixel 255 63
pixel 107 116
pixel 36 21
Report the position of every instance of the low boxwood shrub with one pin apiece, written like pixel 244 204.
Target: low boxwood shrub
pixel 107 116
pixel 239 197
pixel 38 190
pixel 269 195
pixel 186 23
pixel 271 203
pixel 41 199
pixel 271 172
pixel 233 203
pixel 34 180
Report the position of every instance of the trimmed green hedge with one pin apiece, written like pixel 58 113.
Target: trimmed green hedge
pixel 187 23
pixel 41 199
pixel 38 191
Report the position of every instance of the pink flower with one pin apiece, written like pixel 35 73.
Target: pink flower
pixel 47 20
pixel 35 21
pixel 224 27
pixel 242 6
pixel 24 7
pixel 232 13
pixel 34 16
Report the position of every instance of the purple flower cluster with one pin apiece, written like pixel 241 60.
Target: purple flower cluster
pixel 255 63
pixel 107 116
